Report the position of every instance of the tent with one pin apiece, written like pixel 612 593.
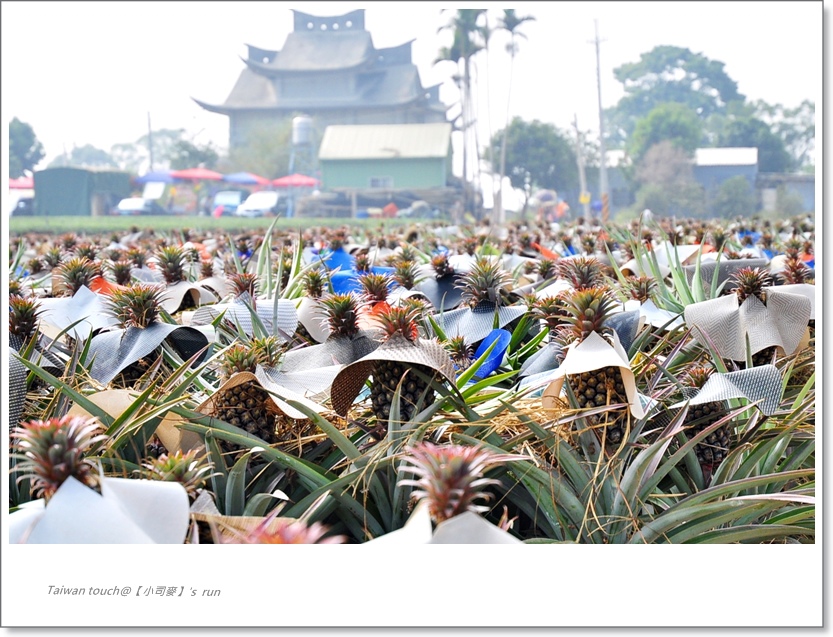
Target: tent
pixel 163 176
pixel 22 183
pixel 197 174
pixel 296 180
pixel 246 179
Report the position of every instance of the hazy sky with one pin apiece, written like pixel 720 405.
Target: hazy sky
pixel 90 72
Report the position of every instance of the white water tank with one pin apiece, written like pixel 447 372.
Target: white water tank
pixel 302 130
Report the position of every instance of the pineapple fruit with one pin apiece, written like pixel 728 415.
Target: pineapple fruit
pixel 588 310
pixel 750 282
pixel 711 451
pixel 398 323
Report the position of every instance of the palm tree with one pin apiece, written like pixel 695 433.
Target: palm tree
pixel 465 27
pixel 509 22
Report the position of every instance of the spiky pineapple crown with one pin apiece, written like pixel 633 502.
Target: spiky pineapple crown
pixel 314 283
pixel 239 358
pixel 451 478
pixel 274 530
pixel 399 321
pixel 135 305
pixel 206 268
pixel 588 243
pixel 137 256
pixel 35 265
pixel 363 262
pixel 76 273
pixel 442 268
pixel 795 271
pixel 552 310
pixel 53 257
pixel 751 282
pixel 641 288
pixel 407 274
pixel 375 286
pixel 268 350
pixel 243 283
pixel 486 281
pixel 190 469
pixel 50 451
pixel 547 268
pixel 122 271
pixel 171 263
pixel 461 353
pixel 24 313
pixel 588 310
pixel 341 312
pixel 697 376
pixel 582 272
pixel 470 245
pixel 86 249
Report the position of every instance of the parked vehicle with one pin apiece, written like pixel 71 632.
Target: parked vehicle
pixel 139 206
pixel 228 201
pixel 25 207
pixel 259 204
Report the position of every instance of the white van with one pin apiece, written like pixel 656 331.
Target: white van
pixel 258 204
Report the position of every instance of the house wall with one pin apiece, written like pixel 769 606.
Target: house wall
pixel 397 173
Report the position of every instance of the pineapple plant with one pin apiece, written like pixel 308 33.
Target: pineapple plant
pixel 51 451
pixel 363 262
pixel 750 282
pixel 451 478
pixel 406 274
pixel 713 449
pixel 75 273
pixel 189 469
pixel 582 272
pixel 398 323
pixel 462 353
pixel 246 404
pixel 546 268
pixel 588 310
pixel 442 268
pixel 485 285
pixel 341 313
pixel 137 306
pixel 172 262
pixel 375 287
pixel 137 257
pixel 121 269
pixel 206 268
pixel 243 283
pixel 53 257
pixel 641 288
pixel 24 313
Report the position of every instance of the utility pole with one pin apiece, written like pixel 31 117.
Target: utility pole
pixel 584 198
pixel 603 160
pixel 150 144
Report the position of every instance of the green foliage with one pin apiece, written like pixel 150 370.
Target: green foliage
pixel 669 74
pixel 734 198
pixel 185 154
pixel 25 151
pixel 753 133
pixel 668 185
pixel 265 152
pixel 675 123
pixel 543 151
pixel 86 156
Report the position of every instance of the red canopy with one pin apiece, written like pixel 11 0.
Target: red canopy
pixel 22 183
pixel 295 180
pixel 196 173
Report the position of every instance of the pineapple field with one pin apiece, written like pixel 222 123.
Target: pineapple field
pixel 577 384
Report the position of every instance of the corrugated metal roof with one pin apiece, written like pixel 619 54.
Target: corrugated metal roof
pixel 726 157
pixel 385 141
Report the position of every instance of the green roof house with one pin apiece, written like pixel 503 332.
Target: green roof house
pixel 386 156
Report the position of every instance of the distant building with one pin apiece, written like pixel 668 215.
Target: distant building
pixel 330 70
pixel 713 166
pixel 79 191
pixel 386 157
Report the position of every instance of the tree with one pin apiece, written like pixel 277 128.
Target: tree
pixel 465 27
pixel 751 132
pixel 543 151
pixel 734 198
pixel 86 156
pixel 185 154
pixel 265 152
pixel 135 157
pixel 669 74
pixel 671 122
pixel 668 187
pixel 796 127
pixel 25 151
pixel 511 23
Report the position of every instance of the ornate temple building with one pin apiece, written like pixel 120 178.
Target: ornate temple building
pixel 329 70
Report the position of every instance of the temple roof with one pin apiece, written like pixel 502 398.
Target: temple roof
pixel 318 51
